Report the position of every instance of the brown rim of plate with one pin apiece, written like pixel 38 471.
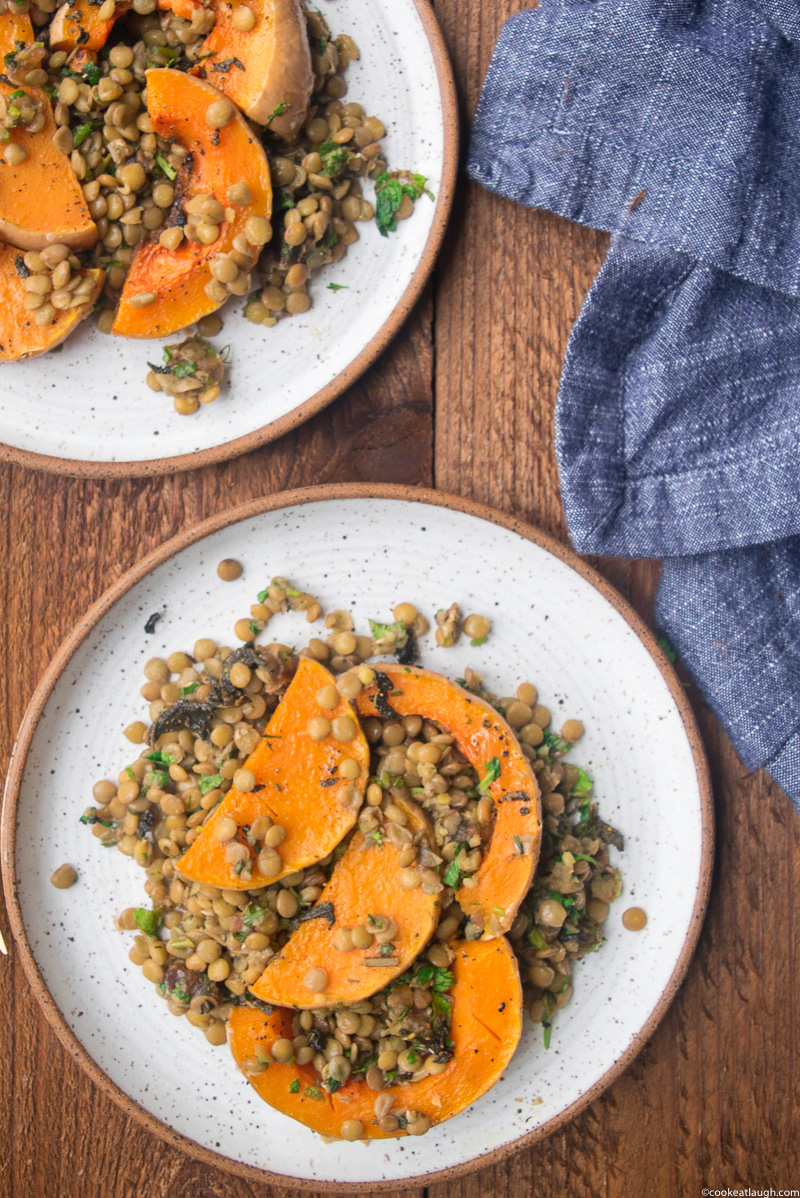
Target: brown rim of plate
pixel 105 603
pixel 76 468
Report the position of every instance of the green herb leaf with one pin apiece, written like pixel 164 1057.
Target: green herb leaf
pixel 209 782
pixel 313 1092
pixel 442 1007
pixel 453 874
pixel 183 370
pixel 583 785
pixel 147 921
pixel 519 846
pixel 557 743
pixel 443 981
pixel 160 757
pixel 546 1027
pixel 338 287
pixel 294 1088
pixel 334 158
pixel 477 641
pixel 536 939
pixel 253 913
pixel 261 596
pixel 168 170
pixel 278 112
pixel 395 634
pixel 251 624
pixel 80 134
pixel 492 768
pixel 389 197
pixel 190 689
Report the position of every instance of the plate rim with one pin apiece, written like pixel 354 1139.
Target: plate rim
pixel 79 468
pixel 241 513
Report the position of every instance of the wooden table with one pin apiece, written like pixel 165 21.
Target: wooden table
pixel 463 400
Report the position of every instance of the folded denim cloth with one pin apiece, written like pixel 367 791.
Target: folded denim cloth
pixel 674 124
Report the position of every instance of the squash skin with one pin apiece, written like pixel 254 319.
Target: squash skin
pixel 365 880
pixel 277 62
pixel 486 1027
pixel 505 875
pixel 286 757
pixel 22 337
pixel 176 103
pixel 40 199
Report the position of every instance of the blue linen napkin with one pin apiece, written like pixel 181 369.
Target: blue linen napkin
pixel 674 124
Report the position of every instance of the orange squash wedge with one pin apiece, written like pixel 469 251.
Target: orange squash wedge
pixel 40 199
pixel 22 337
pixel 266 71
pixel 181 8
pixel 487 741
pixel 216 159
pixel 299 789
pixel 77 23
pixel 365 881
pixel 485 1028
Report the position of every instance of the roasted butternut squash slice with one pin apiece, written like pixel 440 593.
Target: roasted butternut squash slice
pixel 300 789
pixel 181 8
pixel 364 883
pixel 487 741
pixel 486 1024
pixel 267 70
pixel 22 337
pixel 40 199
pixel 77 23
pixel 216 159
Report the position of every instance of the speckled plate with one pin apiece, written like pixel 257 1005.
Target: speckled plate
pixel 364 548
pixel 86 410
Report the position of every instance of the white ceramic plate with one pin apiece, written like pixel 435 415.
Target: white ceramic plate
pixel 86 410
pixel 363 549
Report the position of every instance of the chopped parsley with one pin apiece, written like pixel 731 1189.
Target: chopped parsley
pixel 441 979
pixel 334 158
pixel 583 784
pixel 477 641
pixel 147 921
pixel 210 782
pixel 279 111
pixel 253 913
pixel 394 636
pixel 338 287
pixel 451 878
pixel 160 757
pixel 492 768
pixel 294 1088
pixel 389 192
pixel 168 170
pixel 313 1092
pixel 80 134
pixel 188 690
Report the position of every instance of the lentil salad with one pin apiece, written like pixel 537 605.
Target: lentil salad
pixel 130 179
pixel 203 948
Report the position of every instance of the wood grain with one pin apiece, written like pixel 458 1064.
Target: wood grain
pixel 463 398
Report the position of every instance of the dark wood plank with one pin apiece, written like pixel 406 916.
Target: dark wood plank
pixel 64 542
